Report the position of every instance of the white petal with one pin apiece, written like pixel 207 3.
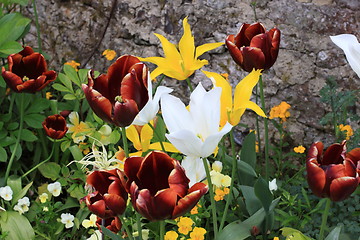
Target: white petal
pixel 194 169
pixel 212 141
pixel 351 47
pixel 186 142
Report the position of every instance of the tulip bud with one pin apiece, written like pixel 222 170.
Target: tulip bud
pixel 55 126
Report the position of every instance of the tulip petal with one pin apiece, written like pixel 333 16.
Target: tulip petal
pixel 99 180
pixel 186 142
pixel 194 169
pixel 12 80
pixel 170 51
pixel 315 151
pixel 115 203
pixel 342 188
pixel 335 154
pixel 178 181
pixel 166 201
pixel 168 147
pixel 125 112
pixel 235 52
pixel 253 58
pixel 212 141
pixel 133 135
pixel 34 65
pixel 144 204
pixel 187 45
pixel 351 47
pixel 354 156
pixel 200 50
pixel 316 178
pixel 131 167
pixel 188 202
pixel 244 88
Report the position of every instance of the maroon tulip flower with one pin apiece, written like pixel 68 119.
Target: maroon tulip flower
pixel 159 188
pixel 113 224
pixel 27 72
pixel 333 175
pixel 109 198
pixel 254 47
pixel 55 126
pixel 118 96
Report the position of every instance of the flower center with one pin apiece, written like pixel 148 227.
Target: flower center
pixel 25 78
pixel 119 99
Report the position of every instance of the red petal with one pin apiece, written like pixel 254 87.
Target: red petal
pixel 144 204
pixel 125 112
pixel 234 51
pixel 316 178
pixel 186 203
pixel 263 42
pixel 253 30
pixel 274 34
pixel 99 180
pixel 240 39
pixel 34 65
pixel 115 203
pixel 315 151
pixel 253 58
pixel 131 168
pixel 335 154
pixel 166 201
pixel 178 181
pixel 342 188
pixel 102 86
pixel 354 156
pixel 12 80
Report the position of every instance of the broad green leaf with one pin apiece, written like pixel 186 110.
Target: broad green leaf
pixel 69 96
pixel 15 183
pixel 248 153
pixel 263 193
pixel 17 226
pixel 334 234
pixel 76 152
pixel 12 27
pixel 7 141
pixel 26 135
pixel 34 120
pixel 21 193
pixel 294 234
pixel 3 155
pixel 18 151
pixel 238 230
pixel 72 74
pixel 252 203
pixel 50 170
pixel 10 47
pixel 110 234
pixel 38 105
pixel 2 82
pixel 83 75
pixel 70 203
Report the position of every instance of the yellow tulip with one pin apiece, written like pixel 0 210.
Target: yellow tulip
pixel 233 107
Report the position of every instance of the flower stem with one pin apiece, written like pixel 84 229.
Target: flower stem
pixel 13 155
pixel 189 84
pixel 125 143
pixel 37 27
pixel 266 129
pixel 233 172
pixel 127 230
pixel 162 230
pixel 324 218
pixel 138 224
pixel 212 200
pixel 157 135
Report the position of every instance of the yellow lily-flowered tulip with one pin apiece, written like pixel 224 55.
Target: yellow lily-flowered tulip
pixel 232 108
pixel 180 63
pixel 141 137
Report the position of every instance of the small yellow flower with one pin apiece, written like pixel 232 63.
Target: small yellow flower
pixel 91 222
pixel 347 129
pixel 198 234
pixel 48 95
pixel 194 210
pixel 299 149
pixel 276 238
pixel 180 62
pixel 219 194
pixel 226 190
pixel 280 111
pixel 43 197
pixel 185 225
pixel 171 235
pixel 73 64
pixel 78 128
pixel 109 54
pixel 45 209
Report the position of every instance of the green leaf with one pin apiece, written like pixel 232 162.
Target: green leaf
pixel 12 27
pixel 3 155
pixel 110 234
pixel 76 152
pixel 26 135
pixel 38 105
pixel 334 234
pixel 70 203
pixel 61 88
pixel 294 234
pixel 253 204
pixel 34 120
pixel 15 183
pixel 21 193
pixel 69 96
pixel 72 74
pixel 241 230
pixel 263 193
pixel 10 47
pixel 66 81
pixel 83 75
pixel 17 226
pixel 248 153
pixel 50 170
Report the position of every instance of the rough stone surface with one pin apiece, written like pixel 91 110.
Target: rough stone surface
pixel 72 30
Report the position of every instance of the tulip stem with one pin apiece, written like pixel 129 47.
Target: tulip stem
pixel 138 224
pixel 13 155
pixel 266 129
pixel 157 135
pixel 125 143
pixel 127 230
pixel 212 200
pixel 233 172
pixel 162 230
pixel 37 27
pixel 189 84
pixel 324 218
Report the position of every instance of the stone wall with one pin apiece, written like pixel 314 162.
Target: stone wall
pixel 78 30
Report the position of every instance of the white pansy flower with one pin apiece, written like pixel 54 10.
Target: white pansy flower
pixel 67 219
pixel 54 188
pixel 22 205
pixel 217 166
pixel 91 222
pixel 95 236
pixel 6 193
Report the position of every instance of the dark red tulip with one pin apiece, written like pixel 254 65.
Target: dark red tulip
pixel 333 174
pixel 118 96
pixel 27 71
pixel 254 47
pixel 113 224
pixel 159 188
pixel 55 126
pixel 109 198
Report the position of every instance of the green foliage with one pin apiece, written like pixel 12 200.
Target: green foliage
pixel 16 226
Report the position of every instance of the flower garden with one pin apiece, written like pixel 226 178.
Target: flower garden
pixel 116 155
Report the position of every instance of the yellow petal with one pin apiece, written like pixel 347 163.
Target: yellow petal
pixel 168 147
pixel 236 114
pixel 243 90
pixel 200 50
pixel 226 94
pixel 170 51
pixel 187 46
pixel 133 135
pixel 146 135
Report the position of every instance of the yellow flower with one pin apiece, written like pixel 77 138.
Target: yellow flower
pixel 109 54
pixel 171 235
pixel 141 136
pixel 91 222
pixel 299 149
pixel 347 129
pixel 276 238
pixel 198 234
pixel 180 63
pixel 219 194
pixel 73 64
pixel 232 108
pixel 194 210
pixel 45 209
pixel 185 225
pixel 78 128
pixel 280 111
pixel 48 95
pixel 43 197
pixel 226 181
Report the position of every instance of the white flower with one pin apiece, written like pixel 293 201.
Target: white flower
pixel 151 108
pixel 54 188
pixel 22 205
pixel 194 169
pixel 217 166
pixel 95 236
pixel 272 185
pixel 6 193
pixel 194 132
pixel 67 219
pixel 351 47
pixel 91 222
